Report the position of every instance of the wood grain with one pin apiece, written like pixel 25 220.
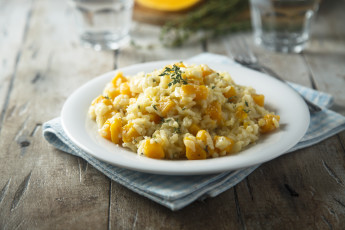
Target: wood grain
pixel 42 63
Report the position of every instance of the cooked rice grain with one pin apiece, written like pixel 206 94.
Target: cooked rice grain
pixel 189 111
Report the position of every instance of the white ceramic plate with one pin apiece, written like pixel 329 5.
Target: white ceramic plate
pixel 280 98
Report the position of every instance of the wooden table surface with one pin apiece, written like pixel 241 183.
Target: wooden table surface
pixel 42 63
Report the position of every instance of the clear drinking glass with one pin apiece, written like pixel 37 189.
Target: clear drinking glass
pixel 283 25
pixel 103 24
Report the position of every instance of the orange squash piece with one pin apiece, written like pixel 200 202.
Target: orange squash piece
pixel 194 128
pixel 196 153
pixel 214 110
pixel 124 89
pixel 105 130
pixel 259 99
pixel 269 123
pixel 230 94
pixel 200 91
pixel 129 133
pixel 166 105
pixel 116 131
pixel 153 150
pixel 118 79
pixel 155 118
pixel 204 136
pixel 114 92
pixel 241 113
pixel 102 99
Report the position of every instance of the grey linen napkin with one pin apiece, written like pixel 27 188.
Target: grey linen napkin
pixel 176 192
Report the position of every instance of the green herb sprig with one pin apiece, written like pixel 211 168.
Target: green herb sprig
pixel 175 74
pixel 212 18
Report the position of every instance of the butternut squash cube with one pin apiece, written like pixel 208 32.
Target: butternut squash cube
pixel 105 130
pixel 271 122
pixel 129 133
pixel 194 150
pixel 203 136
pixel 241 113
pixel 230 94
pixel 214 110
pixel 194 128
pixel 97 100
pixel 207 141
pixel 124 89
pixel 200 91
pixel 118 79
pixel 116 131
pixel 166 105
pixel 153 150
pixel 113 92
pixel 180 64
pixel 259 99
pixel 102 99
pixel 155 118
pixel 206 70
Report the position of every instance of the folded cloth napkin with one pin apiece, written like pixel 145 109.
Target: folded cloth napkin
pixel 176 192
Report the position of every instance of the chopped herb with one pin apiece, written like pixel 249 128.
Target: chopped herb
pixel 177 130
pixel 165 120
pixel 138 106
pixel 107 97
pixel 184 108
pixel 154 107
pixel 213 87
pixel 154 80
pixel 206 149
pixel 246 103
pixel 230 99
pixel 246 110
pixel 175 74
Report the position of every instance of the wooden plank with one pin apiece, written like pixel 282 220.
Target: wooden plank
pixel 327 57
pixel 44 188
pixel 13 29
pixel 130 210
pixel 41 187
pixel 302 188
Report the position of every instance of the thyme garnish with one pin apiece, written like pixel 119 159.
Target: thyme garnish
pixel 177 130
pixel 214 18
pixel 163 120
pixel 206 148
pixel 175 74
pixel 154 107
pixel 230 99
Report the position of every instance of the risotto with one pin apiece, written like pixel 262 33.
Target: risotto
pixel 181 112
